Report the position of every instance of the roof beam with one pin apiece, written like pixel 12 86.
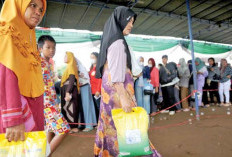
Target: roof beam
pixel 177 7
pixel 195 6
pixel 164 5
pixel 222 14
pixel 63 12
pixel 183 33
pixel 149 29
pixel 228 40
pixel 178 24
pixel 84 14
pixel 146 7
pixel 44 19
pixel 226 20
pixel 131 4
pixel 222 36
pixel 194 19
pixel 208 29
pixel 215 4
pixel 99 13
pixel 226 4
pixel 228 37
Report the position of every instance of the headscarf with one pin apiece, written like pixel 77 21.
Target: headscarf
pixel 96 55
pixel 82 69
pixel 201 64
pixel 152 62
pixel 113 30
pixel 71 69
pixel 183 66
pixel 18 50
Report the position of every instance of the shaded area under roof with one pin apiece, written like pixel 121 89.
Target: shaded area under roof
pixel 211 18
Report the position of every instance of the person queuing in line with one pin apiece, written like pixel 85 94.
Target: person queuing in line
pixel 139 92
pixel 69 92
pixel 224 83
pixel 167 75
pixel 191 86
pixel 87 113
pixel 95 83
pixel 56 126
pixel 205 93
pixel 155 82
pixel 213 80
pixel 201 74
pixel 176 88
pixel 114 67
pixel 21 79
pixel 184 75
pixel 146 98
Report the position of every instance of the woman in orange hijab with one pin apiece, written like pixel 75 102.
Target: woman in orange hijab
pixel 21 80
pixel 69 91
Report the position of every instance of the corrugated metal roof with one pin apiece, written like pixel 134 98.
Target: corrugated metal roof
pixel 211 18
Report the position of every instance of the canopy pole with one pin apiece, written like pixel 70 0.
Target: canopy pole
pixel 193 59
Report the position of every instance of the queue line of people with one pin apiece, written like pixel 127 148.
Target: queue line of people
pixel 174 82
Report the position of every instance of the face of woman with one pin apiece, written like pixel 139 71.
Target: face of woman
pixel 65 59
pixel 128 27
pixel 211 62
pixel 33 13
pixel 93 59
pixel 196 63
pixel 224 63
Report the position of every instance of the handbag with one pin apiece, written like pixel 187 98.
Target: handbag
pixel 148 92
pixel 148 89
pixel 216 77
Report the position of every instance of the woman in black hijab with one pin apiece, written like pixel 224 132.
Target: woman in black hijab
pixel 114 67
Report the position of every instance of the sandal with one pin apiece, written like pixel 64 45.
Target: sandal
pixel 75 130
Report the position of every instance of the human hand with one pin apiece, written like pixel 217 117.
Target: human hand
pixel 68 97
pixel 156 89
pixel 97 94
pixel 15 133
pixel 82 75
pixel 126 104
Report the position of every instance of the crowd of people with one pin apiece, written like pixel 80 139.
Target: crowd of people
pixel 161 87
pixel 34 98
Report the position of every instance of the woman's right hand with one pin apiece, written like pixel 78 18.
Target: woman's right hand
pixel 15 133
pixel 127 104
pixel 68 97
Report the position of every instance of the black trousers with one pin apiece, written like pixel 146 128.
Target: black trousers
pixel 96 106
pixel 168 97
pixel 214 85
pixel 205 98
pixel 153 102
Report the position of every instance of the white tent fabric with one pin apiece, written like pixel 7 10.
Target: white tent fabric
pixel 83 50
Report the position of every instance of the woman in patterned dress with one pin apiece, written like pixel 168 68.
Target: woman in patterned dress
pixel 114 67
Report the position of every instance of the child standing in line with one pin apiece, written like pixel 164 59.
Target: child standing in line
pixel 56 126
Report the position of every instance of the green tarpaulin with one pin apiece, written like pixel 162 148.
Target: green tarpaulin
pixel 138 44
